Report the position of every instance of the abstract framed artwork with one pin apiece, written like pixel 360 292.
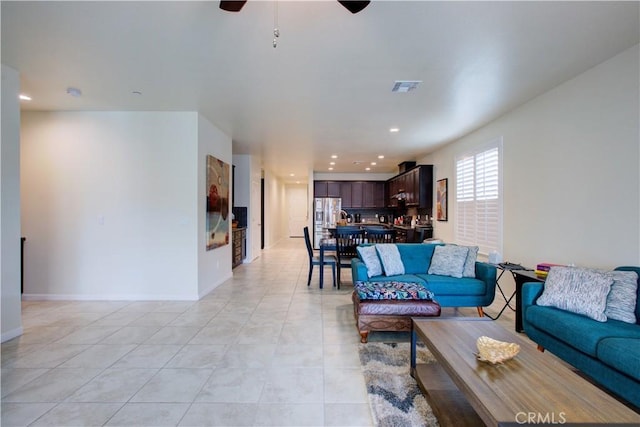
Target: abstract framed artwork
pixel 441 199
pixel 217 209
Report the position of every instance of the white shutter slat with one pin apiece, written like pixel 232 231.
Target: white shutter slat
pixel 478 200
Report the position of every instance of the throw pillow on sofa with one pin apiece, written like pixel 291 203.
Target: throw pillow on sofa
pixel 369 256
pixel 448 260
pixel 390 258
pixel 578 290
pixel 470 263
pixel 621 301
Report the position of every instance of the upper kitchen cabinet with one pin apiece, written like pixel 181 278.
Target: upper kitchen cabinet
pixel 326 189
pixel 354 194
pixel 373 195
pixel 357 194
pixel 345 194
pixel 319 188
pixel 415 185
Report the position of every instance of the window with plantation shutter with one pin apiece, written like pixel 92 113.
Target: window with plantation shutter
pixel 478 218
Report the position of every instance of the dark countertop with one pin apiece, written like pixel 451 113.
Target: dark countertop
pixel 367 224
pixel 408 227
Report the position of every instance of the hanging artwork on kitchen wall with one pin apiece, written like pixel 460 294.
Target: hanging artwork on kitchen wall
pixel 217 226
pixel 441 199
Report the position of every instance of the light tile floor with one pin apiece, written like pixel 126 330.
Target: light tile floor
pixel 262 349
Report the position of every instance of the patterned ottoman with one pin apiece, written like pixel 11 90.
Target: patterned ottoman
pixel 389 306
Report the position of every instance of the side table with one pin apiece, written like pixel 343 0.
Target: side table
pixel 521 277
pixel 504 267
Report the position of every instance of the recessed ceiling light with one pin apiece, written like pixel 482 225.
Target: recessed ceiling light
pixel 373 163
pixel 292 174
pixel 394 130
pixel 332 163
pixel 24 97
pixel 330 169
pixel 381 156
pixel 367 169
pixel 334 156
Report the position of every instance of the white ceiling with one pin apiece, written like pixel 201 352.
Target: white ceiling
pixel 326 88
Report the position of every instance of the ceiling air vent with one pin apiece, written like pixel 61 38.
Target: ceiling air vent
pixel 405 85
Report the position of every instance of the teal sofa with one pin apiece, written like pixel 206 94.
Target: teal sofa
pixel 448 291
pixel 608 352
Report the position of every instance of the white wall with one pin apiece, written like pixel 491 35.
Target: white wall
pixel 10 206
pixel 275 220
pixel 111 205
pixel 214 266
pixel 571 170
pixel 247 192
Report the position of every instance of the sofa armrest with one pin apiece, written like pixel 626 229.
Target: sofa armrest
pixel 530 293
pixel 487 273
pixel 358 270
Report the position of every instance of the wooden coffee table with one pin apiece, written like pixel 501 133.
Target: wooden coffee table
pixel 532 388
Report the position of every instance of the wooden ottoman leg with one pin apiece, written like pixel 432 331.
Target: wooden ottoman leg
pixel 364 336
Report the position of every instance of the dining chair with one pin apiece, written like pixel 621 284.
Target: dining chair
pixel 381 235
pixel 331 260
pixel 347 240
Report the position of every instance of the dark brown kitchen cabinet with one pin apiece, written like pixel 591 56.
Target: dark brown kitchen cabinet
pixel 354 194
pixel 357 195
pixel 416 185
pixel 412 187
pixel 333 189
pixel 373 194
pixel 319 188
pixel 345 194
pixel 327 188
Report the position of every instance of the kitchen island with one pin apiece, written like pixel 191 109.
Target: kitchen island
pixel 404 233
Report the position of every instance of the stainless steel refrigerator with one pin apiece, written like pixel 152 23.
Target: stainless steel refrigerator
pixel 326 215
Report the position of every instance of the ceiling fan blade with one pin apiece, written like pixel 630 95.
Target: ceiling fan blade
pixel 354 6
pixel 232 6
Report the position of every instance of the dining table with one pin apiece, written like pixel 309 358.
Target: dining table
pixel 326 244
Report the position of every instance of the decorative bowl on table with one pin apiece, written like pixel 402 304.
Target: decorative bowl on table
pixel 494 351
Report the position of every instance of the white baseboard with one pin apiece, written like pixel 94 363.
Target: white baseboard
pixel 212 286
pixel 9 335
pixel 101 297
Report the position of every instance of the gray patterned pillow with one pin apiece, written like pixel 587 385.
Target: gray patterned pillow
pixel 369 256
pixel 448 260
pixel 621 301
pixel 390 257
pixel 578 290
pixel 470 263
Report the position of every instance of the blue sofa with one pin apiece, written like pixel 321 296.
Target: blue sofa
pixel 448 291
pixel 608 352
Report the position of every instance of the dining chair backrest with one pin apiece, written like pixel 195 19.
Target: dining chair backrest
pixel 307 240
pixel 347 240
pixel 381 235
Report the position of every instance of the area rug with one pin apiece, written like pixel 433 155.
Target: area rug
pixel 394 396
